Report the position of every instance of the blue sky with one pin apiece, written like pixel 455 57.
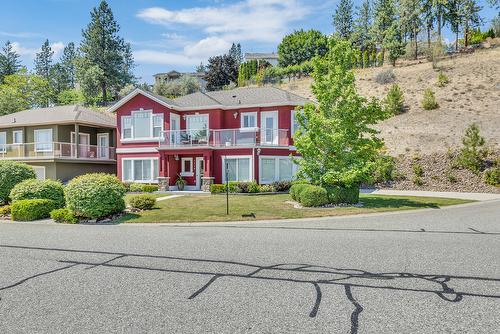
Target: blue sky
pixel 170 34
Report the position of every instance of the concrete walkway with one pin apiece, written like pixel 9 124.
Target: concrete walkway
pixel 168 197
pixel 444 194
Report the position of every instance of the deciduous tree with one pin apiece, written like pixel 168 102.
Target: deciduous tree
pixel 301 46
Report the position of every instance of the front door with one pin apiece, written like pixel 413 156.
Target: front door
pixel 269 128
pixel 103 145
pixel 200 169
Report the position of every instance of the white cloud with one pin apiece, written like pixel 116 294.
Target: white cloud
pixel 207 47
pixel 20 34
pixel 165 58
pixel 57 47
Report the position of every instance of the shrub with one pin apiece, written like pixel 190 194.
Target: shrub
pixel 383 169
pixel 142 202
pixel 473 153
pixel 4 210
pixel 394 102
pixel 418 170
pixel 127 186
pixel 217 188
pixel 442 79
pixel 380 59
pixel 39 189
pixel 385 77
pixel 246 187
pixel 429 101
pixel 95 195
pixel 135 187
pixel 31 209
pixel 266 188
pixel 12 173
pixel 149 188
pixel 63 215
pixel 296 190
pixel 313 196
pixel 233 187
pixel 282 186
pixel 337 195
pixel 492 176
pixel 417 180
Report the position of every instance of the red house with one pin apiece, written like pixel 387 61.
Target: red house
pixel 194 136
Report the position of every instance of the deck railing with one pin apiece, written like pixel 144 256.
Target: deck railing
pixel 52 150
pixel 224 138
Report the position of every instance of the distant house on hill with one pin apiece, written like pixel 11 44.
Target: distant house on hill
pixel 174 75
pixel 271 58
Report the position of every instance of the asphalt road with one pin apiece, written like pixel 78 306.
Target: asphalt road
pixel 432 271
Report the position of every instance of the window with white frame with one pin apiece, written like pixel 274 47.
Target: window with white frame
pixel 186 166
pixel 238 169
pixel 140 170
pixel 276 169
pixel 142 124
pixel 249 120
pixel 17 137
pixel 3 142
pixel 43 140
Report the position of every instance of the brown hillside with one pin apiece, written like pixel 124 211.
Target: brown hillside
pixel 473 95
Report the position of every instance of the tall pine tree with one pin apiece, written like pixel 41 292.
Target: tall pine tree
pixel 104 54
pixel 342 19
pixel 384 16
pixel 235 52
pixel 363 23
pixel 68 63
pixel 43 61
pixel 9 61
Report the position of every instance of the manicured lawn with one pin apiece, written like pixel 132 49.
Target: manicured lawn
pixel 198 208
pixel 155 195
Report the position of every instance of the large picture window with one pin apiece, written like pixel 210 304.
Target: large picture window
pixel 43 140
pixel 239 169
pixel 142 124
pixel 3 142
pixel 276 169
pixel 140 170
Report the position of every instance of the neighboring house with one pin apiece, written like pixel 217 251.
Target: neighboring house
pixel 195 135
pixel 271 58
pixel 174 75
pixel 60 142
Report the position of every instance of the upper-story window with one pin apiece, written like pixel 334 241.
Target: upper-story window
pixel 142 124
pixel 249 120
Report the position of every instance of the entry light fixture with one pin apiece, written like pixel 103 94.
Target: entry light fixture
pixel 235 114
pixel 176 157
pixel 184 117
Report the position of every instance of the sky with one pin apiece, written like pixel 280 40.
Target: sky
pixel 171 34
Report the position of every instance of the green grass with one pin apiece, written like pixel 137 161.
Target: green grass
pixel 199 208
pixel 155 195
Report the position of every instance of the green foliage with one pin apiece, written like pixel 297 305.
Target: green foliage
pixel 429 100
pixel 149 188
pixel 135 187
pixel 142 202
pixel 301 46
pixel 9 61
pixel 492 176
pixel 4 210
pixel 217 188
pixel 385 77
pixel 31 209
pixel 380 59
pixel 477 37
pixel 383 169
pixel 39 189
pixel 335 137
pixel 95 195
pixel 347 195
pixel 266 188
pixel 183 86
pixel 63 216
pixel 393 43
pixel 296 190
pixel 343 19
pixel 246 187
pixel 12 173
pixel 246 71
pixel 394 102
pixel 366 59
pixel 276 73
pixel 418 169
pixel 43 60
pixel 442 79
pixel 313 196
pixel 70 96
pixel 417 180
pixel 221 72
pixel 234 187
pixel 473 153
pixel 282 186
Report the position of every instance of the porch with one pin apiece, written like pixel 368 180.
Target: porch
pixel 57 150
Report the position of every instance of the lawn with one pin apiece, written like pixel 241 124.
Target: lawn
pixel 204 208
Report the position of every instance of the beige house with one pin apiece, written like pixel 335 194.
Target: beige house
pixel 60 142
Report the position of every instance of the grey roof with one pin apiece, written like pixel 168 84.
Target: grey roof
pixel 246 96
pixel 258 55
pixel 58 115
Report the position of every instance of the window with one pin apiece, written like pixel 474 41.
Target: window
pixel 276 169
pixel 186 166
pixel 17 137
pixel 3 142
pixel 249 120
pixel 238 169
pixel 43 140
pixel 142 124
pixel 140 170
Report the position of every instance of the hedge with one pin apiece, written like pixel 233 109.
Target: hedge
pixel 337 195
pixel 39 189
pixel 310 195
pixel 296 190
pixel 95 195
pixel 12 173
pixel 142 201
pixel 31 209
pixel 63 216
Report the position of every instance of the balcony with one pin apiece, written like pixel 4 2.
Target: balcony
pixel 56 150
pixel 243 137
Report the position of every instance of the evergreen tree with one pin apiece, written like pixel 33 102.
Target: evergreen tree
pixel 393 43
pixel 342 19
pixel 411 10
pixel 9 61
pixel 221 71
pixel 43 61
pixel 384 16
pixel 361 36
pixel 201 68
pixel 235 52
pixel 68 63
pixel 105 54
pixel 470 17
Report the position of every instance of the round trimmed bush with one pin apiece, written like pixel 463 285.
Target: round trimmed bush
pixel 296 189
pixel 337 195
pixel 313 196
pixel 135 187
pixel 142 202
pixel 39 189
pixel 12 173
pixel 63 215
pixel 149 188
pixel 95 195
pixel 31 209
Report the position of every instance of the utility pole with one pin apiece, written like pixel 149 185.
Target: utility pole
pixel 227 185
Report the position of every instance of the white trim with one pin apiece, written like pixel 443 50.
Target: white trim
pixel 242 118
pixel 275 128
pixel 100 147
pixel 152 159
pixel 177 118
pixel 51 140
pixel 186 172
pixel 250 167
pixel 42 174
pixel 198 172
pixel 276 167
pixel 132 128
pixel 137 150
pixel 14 136
pixel 3 147
pixel 198 115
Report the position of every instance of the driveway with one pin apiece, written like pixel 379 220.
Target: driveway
pixel 433 271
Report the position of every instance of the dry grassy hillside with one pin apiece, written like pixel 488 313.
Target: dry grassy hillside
pixel 473 95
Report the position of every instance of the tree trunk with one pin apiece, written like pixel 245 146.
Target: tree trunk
pixel 456 41
pixel 466 35
pixel 416 44
pixel 104 94
pixel 439 22
pixel 428 36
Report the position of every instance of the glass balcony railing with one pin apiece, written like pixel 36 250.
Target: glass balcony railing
pixel 224 138
pixel 56 150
